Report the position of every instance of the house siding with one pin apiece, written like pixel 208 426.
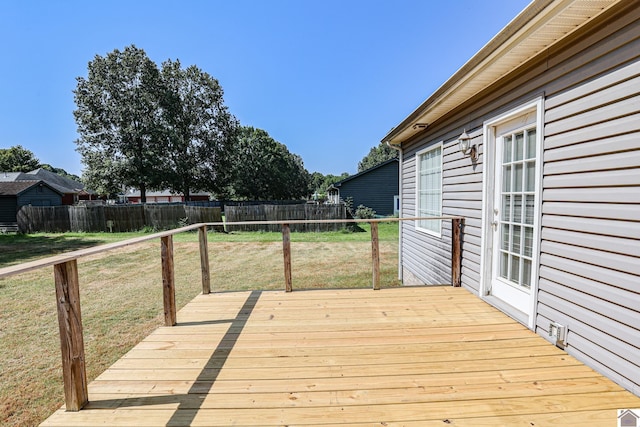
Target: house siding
pixel 590 256
pixel 8 209
pixel 589 260
pixel 374 189
pixel 46 197
pixel 68 199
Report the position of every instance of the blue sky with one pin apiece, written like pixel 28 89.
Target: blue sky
pixel 326 78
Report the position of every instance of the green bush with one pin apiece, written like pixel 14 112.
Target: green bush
pixel 363 212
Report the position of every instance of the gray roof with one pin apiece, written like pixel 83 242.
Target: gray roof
pixel 58 182
pixel 15 188
pixel 14 176
pixel 371 169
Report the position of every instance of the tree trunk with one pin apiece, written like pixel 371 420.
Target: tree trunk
pixel 143 193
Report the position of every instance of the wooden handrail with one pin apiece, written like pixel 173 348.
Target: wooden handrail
pixel 81 253
pixel 68 286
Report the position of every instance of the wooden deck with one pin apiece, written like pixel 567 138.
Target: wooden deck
pixel 427 356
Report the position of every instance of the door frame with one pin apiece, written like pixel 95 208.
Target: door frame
pixel 535 106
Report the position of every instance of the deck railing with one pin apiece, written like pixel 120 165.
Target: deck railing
pixel 67 284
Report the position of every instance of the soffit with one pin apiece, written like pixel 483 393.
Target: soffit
pixel 542 24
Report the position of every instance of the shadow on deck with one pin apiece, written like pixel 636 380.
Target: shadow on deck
pixel 425 356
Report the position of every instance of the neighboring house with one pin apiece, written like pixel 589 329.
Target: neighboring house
pixel 164 196
pixel 375 188
pixel 552 203
pixel 72 190
pixel 14 195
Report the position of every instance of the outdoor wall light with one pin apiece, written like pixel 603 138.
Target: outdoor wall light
pixel 420 126
pixel 464 143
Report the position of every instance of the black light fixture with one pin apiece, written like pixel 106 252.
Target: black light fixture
pixel 421 126
pixel 468 149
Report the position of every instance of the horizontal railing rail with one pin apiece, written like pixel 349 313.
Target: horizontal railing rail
pixel 67 284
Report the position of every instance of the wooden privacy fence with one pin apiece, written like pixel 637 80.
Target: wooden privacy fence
pixel 119 218
pixel 67 286
pixel 307 217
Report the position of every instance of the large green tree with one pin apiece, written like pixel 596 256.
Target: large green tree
pixel 320 183
pixel 120 122
pixel 315 183
pixel 17 159
pixel 199 130
pixel 378 154
pixel 264 169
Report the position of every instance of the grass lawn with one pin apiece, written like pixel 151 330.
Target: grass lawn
pixel 121 295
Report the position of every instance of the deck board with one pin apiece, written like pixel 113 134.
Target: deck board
pixel 409 356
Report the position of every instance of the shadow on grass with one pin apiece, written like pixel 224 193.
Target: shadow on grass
pixel 19 248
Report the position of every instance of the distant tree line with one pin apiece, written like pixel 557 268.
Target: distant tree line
pixel 278 178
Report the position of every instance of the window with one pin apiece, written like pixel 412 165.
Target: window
pixel 429 188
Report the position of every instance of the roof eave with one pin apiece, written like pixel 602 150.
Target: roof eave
pixel 498 51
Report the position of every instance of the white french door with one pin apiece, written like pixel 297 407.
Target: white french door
pixel 513 211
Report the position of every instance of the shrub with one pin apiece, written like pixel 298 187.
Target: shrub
pixel 363 212
pixel 183 222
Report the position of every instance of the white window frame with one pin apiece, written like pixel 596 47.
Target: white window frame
pixel 418 226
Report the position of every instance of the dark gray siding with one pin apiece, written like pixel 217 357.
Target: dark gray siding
pixel 374 189
pixel 8 209
pixel 40 196
pixel 589 277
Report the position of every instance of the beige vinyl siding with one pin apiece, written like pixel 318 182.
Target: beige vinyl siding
pixel 589 265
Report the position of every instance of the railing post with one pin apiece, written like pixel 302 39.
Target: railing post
pixel 456 252
pixel 286 251
pixel 71 340
pixel 204 260
pixel 168 280
pixel 375 255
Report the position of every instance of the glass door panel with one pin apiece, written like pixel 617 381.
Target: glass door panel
pixel 518 201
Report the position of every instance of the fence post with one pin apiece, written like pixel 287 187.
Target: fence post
pixel 286 250
pixel 204 260
pixel 71 340
pixel 375 255
pixel 456 252
pixel 168 280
